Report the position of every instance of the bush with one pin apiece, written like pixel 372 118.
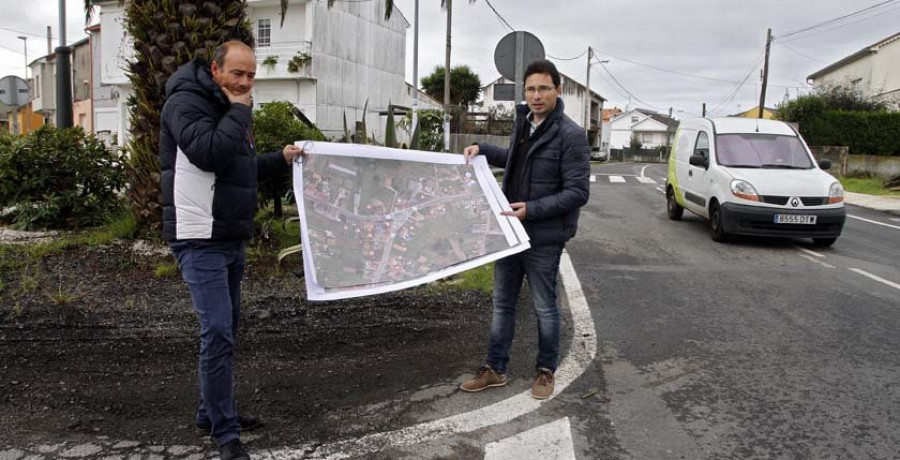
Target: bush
pixel 274 126
pixel 58 179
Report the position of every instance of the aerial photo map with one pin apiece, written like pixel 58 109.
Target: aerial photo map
pixel 376 220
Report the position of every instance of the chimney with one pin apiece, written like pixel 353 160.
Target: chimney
pixel 49 41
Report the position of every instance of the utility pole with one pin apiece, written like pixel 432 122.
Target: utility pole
pixel 587 96
pixel 447 79
pixel 704 110
pixel 63 74
pixel 765 78
pixel 25 115
pixel 415 107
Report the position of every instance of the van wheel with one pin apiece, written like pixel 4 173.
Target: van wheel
pixel 674 209
pixel 716 231
pixel 823 242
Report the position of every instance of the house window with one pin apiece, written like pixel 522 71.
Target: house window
pixel 634 119
pixel 263 32
pixel 857 87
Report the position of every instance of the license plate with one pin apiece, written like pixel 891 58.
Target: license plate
pixel 795 219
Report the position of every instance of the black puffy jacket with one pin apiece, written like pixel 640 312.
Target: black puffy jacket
pixel 209 165
pixel 555 176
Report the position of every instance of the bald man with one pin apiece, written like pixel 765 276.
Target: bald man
pixel 210 171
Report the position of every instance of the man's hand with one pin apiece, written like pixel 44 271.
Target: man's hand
pixel 237 98
pixel 518 211
pixel 470 152
pixel 291 152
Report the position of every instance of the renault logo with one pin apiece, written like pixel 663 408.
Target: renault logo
pixel 795 202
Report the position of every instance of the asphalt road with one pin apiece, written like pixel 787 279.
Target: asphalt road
pixel 757 348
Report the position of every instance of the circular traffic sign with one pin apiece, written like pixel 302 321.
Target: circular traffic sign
pixel 505 53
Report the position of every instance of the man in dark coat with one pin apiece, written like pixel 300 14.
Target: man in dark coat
pixel 209 187
pixel 546 182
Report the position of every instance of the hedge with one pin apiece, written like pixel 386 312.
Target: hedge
pixel 865 133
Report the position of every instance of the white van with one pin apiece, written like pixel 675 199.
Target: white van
pixel 753 177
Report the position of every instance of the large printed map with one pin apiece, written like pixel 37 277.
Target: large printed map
pixel 375 220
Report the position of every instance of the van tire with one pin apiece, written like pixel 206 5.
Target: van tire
pixel 823 242
pixel 716 231
pixel 673 209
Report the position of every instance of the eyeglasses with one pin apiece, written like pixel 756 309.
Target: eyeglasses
pixel 540 89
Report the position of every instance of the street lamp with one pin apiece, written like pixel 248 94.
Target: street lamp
pixel 25 115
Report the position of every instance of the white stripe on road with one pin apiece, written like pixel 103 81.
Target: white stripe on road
pixel 812 253
pixel 550 441
pixel 814 260
pixel 876 278
pixel 874 222
pixel 660 190
pixel 617 179
pixel 593 178
pixel 582 352
pixel 617 175
pixel 646 180
pixel 644 169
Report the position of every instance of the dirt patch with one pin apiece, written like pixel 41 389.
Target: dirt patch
pixel 100 341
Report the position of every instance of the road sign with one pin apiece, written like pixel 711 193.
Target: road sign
pixel 13 90
pixel 514 52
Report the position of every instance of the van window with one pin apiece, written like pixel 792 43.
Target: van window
pixel 761 151
pixel 702 147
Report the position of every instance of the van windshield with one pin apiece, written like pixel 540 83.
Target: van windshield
pixel 761 151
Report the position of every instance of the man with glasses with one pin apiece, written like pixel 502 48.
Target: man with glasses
pixel 546 182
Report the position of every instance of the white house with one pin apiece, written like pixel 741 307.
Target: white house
pixel 873 72
pixel 327 62
pixel 573 96
pixel 43 71
pixel 651 128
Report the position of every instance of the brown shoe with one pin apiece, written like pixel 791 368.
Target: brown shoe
pixel 543 384
pixel 484 378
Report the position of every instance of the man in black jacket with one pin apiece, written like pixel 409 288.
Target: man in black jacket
pixel 209 186
pixel 546 182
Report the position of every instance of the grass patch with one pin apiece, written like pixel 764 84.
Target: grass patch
pixel 165 270
pixel 122 226
pixel 867 185
pixel 476 279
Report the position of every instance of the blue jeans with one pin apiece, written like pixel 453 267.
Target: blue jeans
pixel 213 271
pixel 541 266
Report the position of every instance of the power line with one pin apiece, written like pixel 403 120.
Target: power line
pixel 568 59
pixel 798 52
pixel 502 19
pixel 840 26
pixel 837 19
pixel 734 92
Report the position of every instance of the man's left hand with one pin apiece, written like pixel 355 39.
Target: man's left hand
pixel 292 152
pixel 518 211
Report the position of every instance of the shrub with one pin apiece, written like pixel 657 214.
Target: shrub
pixel 58 179
pixel 274 126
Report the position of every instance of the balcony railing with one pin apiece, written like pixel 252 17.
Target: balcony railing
pixel 291 60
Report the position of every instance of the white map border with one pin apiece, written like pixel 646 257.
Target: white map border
pixel 512 227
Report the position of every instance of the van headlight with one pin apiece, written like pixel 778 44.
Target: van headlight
pixel 836 193
pixel 743 189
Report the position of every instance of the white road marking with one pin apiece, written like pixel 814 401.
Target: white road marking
pixel 874 222
pixel 617 179
pixel 812 253
pixel 617 175
pixel 593 178
pixel 895 219
pixel 660 190
pixel 646 180
pixel 814 260
pixel 550 441
pixel 644 169
pixel 582 352
pixel 876 278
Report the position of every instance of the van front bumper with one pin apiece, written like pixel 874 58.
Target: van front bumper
pixel 741 219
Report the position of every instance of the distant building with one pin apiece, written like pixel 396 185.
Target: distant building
pixel 605 130
pixel 872 72
pixel 652 129
pixel 573 96
pixel 82 106
pixel 327 62
pixel 43 87
pixel 768 113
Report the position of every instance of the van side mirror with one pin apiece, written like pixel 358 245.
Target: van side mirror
pixel 699 161
pixel 825 163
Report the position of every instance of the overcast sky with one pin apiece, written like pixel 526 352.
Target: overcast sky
pixel 715 39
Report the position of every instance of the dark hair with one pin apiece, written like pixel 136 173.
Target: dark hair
pixel 224 48
pixel 546 67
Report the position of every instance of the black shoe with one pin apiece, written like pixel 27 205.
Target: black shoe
pixel 247 422
pixel 233 450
